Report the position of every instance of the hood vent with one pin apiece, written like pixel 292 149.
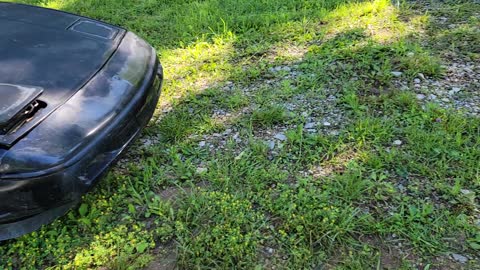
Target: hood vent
pixel 18 104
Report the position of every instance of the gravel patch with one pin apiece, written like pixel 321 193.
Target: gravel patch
pixel 458 89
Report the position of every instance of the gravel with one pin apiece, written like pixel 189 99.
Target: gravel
pixel 280 136
pixel 459 258
pixel 271 145
pixel 459 88
pixel 397 73
pixel 397 143
pixel 310 125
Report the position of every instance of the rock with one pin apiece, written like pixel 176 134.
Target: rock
pixel 410 54
pixel 454 91
pixel 280 136
pixel 201 170
pixel 310 125
pixel 397 73
pixel 445 100
pixel 334 133
pixel 397 142
pixel 416 80
pixel 270 250
pixel 421 96
pixel 459 258
pixel 466 191
pixel 271 145
pixel 147 142
pixel 421 76
pixel 327 124
pixel 202 143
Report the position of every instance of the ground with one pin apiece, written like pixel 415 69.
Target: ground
pixel 291 134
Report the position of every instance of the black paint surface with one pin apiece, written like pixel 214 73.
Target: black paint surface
pixel 100 87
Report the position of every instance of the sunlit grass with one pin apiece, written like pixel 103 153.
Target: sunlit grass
pixel 379 18
pixel 198 66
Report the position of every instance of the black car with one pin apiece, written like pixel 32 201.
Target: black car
pixel 74 92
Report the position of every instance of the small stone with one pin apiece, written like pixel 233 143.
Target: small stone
pixel 227 132
pixel 147 142
pixel 445 100
pixel 271 145
pixel 421 76
pixel 466 191
pixel 309 125
pixel 397 73
pixel 334 133
pixel 327 124
pixel 421 96
pixel 270 250
pixel 281 137
pixel 410 54
pixel 459 258
pixel 416 80
pixel 397 142
pixel 201 170
pixel 304 114
pixel 432 96
pixel 454 91
pixel 202 143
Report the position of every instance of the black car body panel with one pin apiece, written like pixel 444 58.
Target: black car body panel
pixel 92 88
pixel 46 48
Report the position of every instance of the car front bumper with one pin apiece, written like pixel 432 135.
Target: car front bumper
pixel 38 197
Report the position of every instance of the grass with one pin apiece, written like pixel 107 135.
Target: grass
pixel 213 191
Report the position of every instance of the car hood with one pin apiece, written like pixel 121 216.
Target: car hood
pixel 49 50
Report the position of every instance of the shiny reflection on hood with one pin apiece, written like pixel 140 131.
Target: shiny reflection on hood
pixel 76 122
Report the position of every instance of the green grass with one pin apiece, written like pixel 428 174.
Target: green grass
pixel 345 200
